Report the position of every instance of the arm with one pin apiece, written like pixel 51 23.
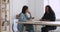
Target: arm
pixel 43 18
pixel 30 14
pixel 52 17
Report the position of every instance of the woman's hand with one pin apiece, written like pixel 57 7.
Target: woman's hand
pixel 44 20
pixel 32 17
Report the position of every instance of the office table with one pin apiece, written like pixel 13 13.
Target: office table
pixel 51 23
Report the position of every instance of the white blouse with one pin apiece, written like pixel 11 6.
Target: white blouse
pixel 15 25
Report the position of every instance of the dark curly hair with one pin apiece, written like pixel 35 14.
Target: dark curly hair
pixel 49 9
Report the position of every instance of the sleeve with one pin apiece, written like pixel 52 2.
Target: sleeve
pixel 52 17
pixel 43 16
pixel 27 16
pixel 22 18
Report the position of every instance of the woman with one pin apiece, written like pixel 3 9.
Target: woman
pixel 48 16
pixel 23 18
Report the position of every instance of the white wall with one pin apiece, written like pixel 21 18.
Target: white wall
pixel 36 8
pixel 32 8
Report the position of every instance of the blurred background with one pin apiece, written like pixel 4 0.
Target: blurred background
pixel 10 8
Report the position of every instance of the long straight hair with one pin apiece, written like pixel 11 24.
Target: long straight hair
pixel 24 9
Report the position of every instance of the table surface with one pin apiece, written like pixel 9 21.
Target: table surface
pixel 51 23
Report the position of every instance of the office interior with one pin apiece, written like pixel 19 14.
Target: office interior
pixel 10 8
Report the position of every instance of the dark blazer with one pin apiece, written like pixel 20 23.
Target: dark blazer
pixel 50 17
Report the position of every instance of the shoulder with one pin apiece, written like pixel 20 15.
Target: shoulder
pixel 21 14
pixel 52 13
